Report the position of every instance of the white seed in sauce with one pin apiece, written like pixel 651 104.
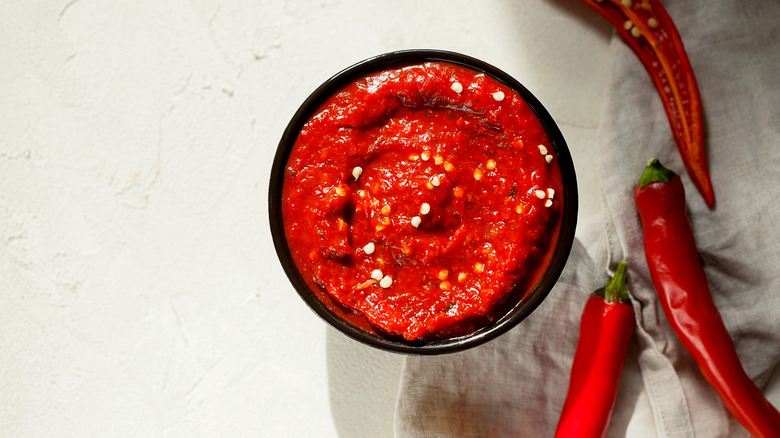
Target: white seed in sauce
pixel 542 149
pixel 498 96
pixel 376 274
pixel 356 172
pixel 369 248
pixel 386 281
pixel 540 194
pixel 416 221
pixel 425 208
pixel 457 87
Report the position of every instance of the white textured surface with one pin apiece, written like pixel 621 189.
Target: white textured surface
pixel 139 291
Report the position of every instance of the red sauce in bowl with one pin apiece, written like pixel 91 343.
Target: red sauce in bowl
pixel 416 199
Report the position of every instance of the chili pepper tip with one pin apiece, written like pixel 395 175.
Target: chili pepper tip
pixel 655 172
pixel 615 291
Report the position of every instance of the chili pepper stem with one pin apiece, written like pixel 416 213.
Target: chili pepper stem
pixel 655 172
pixel 615 291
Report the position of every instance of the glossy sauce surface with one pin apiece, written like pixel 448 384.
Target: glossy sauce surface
pixel 417 198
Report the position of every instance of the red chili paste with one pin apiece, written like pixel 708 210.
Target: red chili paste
pixel 418 197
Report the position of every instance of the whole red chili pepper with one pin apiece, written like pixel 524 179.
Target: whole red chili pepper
pixel 649 31
pixel 685 297
pixel 605 328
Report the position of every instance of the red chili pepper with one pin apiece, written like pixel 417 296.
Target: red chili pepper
pixel 649 31
pixel 682 288
pixel 605 328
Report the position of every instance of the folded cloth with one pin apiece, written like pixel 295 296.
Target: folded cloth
pixel 515 385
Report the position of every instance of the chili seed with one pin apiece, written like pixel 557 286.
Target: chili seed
pixel 477 174
pixel 445 285
pixel 425 208
pixel 498 96
pixel 416 221
pixel 356 172
pixel 540 194
pixel 369 248
pixel 443 274
pixel 549 158
pixel 457 87
pixel 376 274
pixel 542 149
pixel 386 282
pixel 491 164
pixel 462 276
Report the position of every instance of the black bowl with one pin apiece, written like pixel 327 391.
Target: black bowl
pixel 511 313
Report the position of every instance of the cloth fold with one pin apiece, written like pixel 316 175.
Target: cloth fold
pixel 516 384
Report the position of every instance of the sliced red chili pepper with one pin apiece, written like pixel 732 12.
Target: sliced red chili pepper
pixel 679 280
pixel 605 329
pixel 649 31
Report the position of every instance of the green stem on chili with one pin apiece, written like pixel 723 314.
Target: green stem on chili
pixel 684 295
pixel 650 32
pixel 606 328
pixel 615 291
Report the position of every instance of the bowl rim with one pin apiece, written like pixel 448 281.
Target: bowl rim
pixel 516 313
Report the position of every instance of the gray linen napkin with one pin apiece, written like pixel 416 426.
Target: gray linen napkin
pixel 515 385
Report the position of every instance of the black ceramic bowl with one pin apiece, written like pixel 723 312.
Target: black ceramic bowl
pixel 516 307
